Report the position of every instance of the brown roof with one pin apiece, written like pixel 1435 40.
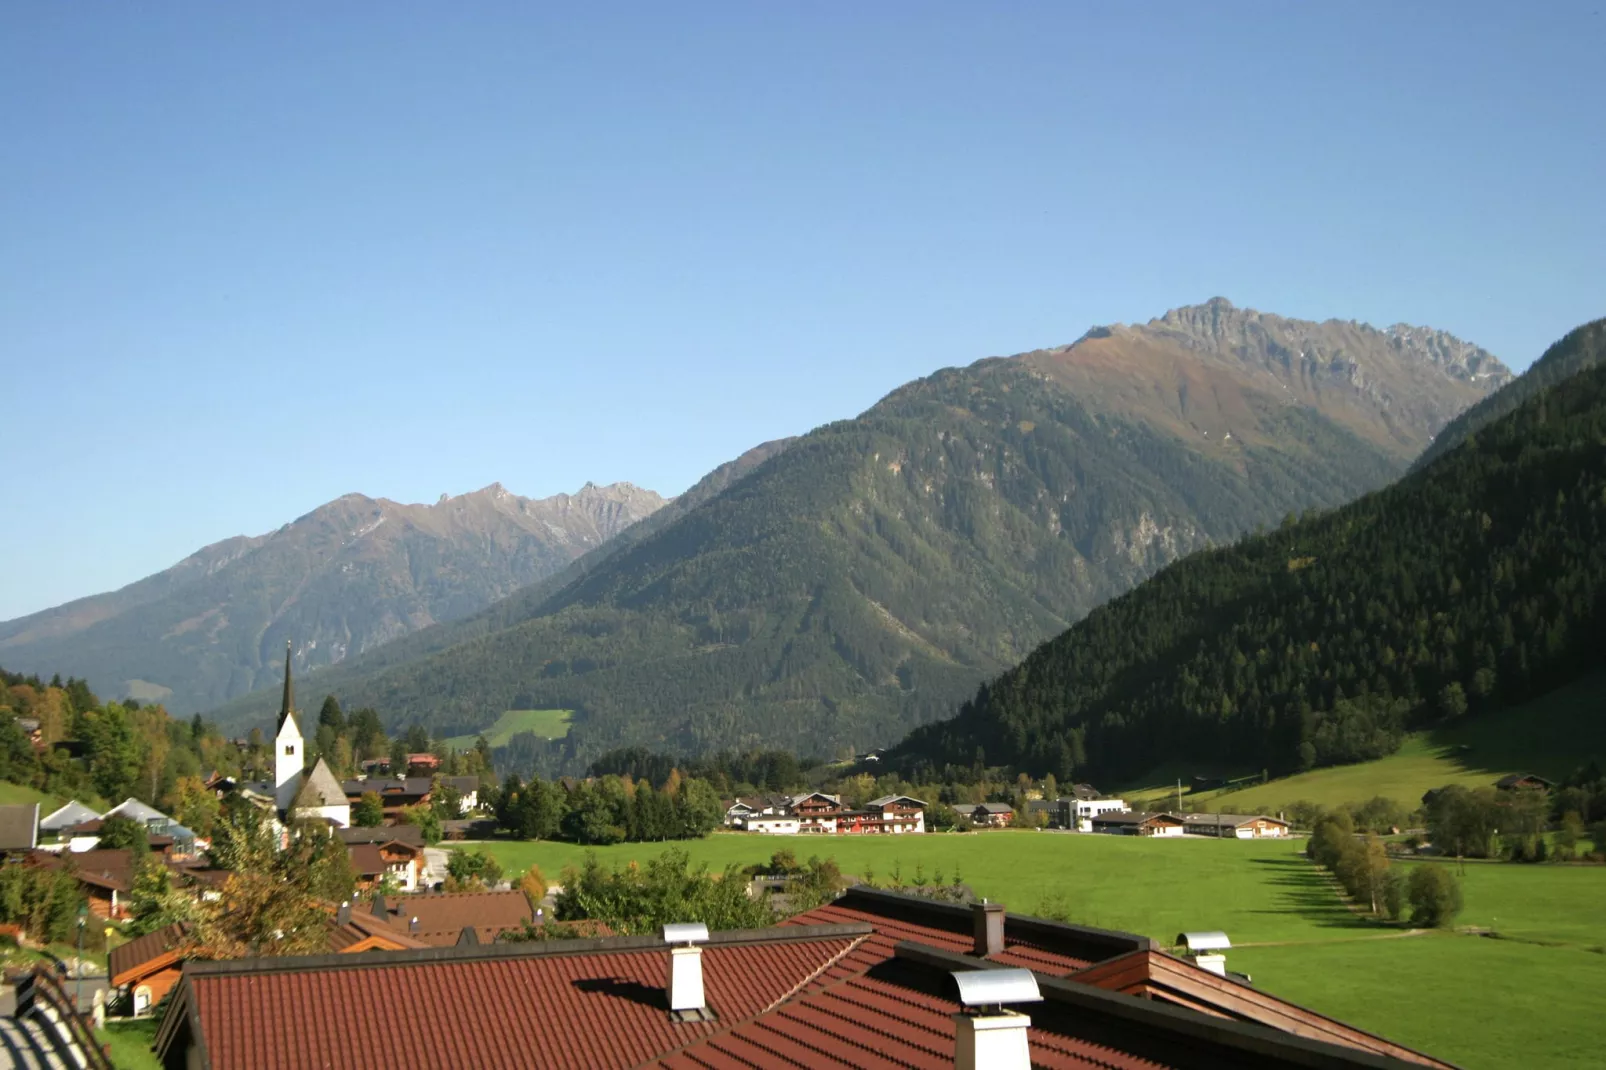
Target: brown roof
pixel 411 835
pixel 19 827
pixel 442 916
pixel 110 869
pixel 141 955
pixel 586 1004
pixel 366 859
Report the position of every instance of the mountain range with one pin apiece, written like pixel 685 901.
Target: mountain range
pixel 345 578
pixel 839 588
pixel 1476 582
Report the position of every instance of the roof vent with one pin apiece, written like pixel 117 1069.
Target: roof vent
pixel 686 1000
pixel 1205 949
pixel 412 926
pixel 988 1036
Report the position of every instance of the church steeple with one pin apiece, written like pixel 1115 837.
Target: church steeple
pixel 289 704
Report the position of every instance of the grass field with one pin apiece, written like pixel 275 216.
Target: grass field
pixel 1551 736
pixel 549 724
pixel 131 1043
pixel 11 794
pixel 1477 1002
pixel 1257 890
pixel 1534 1003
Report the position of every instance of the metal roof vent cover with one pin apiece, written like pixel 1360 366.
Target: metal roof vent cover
pixel 990 1037
pixel 1205 948
pixel 686 999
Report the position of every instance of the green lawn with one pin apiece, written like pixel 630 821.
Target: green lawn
pixel 1548 904
pixel 1483 1004
pixel 130 1041
pixel 1255 890
pixel 549 724
pixel 1551 736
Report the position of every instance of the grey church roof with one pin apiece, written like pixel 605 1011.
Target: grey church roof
pixel 320 788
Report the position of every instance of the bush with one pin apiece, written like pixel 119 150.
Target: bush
pixel 1435 896
pixel 1396 894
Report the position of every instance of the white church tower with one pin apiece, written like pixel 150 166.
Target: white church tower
pixel 288 757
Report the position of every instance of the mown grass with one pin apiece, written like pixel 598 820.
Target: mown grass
pixel 548 724
pixel 1256 890
pixel 1551 736
pixel 1480 1003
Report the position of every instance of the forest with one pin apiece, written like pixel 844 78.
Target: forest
pixel 1475 582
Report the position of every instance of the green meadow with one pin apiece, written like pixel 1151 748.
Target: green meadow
pixel 548 724
pixel 1476 1001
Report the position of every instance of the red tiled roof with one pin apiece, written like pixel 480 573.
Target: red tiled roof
pixel 443 915
pixel 507 1008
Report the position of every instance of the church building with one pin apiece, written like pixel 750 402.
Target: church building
pixel 297 792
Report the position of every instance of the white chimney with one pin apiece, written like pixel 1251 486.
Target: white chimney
pixel 987 1036
pixel 686 966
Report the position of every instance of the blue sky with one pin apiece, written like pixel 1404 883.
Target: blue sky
pixel 251 260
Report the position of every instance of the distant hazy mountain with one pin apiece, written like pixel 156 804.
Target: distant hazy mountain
pixel 345 578
pixel 865 578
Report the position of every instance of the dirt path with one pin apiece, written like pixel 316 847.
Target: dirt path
pixel 1337 939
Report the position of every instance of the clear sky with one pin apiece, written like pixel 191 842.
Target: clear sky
pixel 251 260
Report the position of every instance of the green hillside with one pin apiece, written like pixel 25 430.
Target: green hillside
pixel 1470 586
pixel 548 724
pixel 867 577
pixel 1550 736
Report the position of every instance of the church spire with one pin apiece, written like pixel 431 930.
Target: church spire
pixel 287 707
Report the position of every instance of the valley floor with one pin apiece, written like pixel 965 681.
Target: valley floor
pixel 1530 999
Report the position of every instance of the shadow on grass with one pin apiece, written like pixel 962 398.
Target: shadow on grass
pixel 1304 890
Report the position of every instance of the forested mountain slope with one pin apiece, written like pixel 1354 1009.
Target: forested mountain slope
pixel 347 577
pixel 1580 349
pixel 1477 582
pixel 867 577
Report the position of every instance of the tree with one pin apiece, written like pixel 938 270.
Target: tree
pixel 117 832
pixel 427 821
pixel 1569 835
pixel 533 885
pixel 1396 893
pixel 330 716
pixel 1452 700
pixel 1435 896
pixel 1333 833
pixel 152 901
pixel 369 812
pixel 195 807
pixel 473 869
pixel 642 899
pixel 398 757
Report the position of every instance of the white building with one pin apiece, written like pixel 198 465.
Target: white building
pixel 1088 809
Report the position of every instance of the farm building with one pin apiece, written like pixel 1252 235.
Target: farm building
pixel 1138 823
pixel 1235 825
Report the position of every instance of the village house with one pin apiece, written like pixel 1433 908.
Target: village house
pixel 438 919
pixel 55 827
pixel 105 877
pixel 994 815
pixel 402 862
pixel 19 829
pixel 816 812
pixel 1138 823
pixel 873 977
pixel 395 793
pixel 1238 826
pixel 1523 782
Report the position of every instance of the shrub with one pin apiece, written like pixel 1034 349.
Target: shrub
pixel 1435 896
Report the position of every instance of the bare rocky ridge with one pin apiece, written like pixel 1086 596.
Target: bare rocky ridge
pixel 345 578
pixel 1192 369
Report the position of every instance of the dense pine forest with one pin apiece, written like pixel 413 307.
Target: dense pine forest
pixel 1475 582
